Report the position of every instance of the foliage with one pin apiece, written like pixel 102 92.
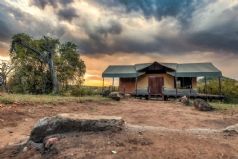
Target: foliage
pixel 85 91
pixel 106 92
pixel 32 74
pixel 229 88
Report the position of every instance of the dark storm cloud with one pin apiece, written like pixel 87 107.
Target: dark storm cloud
pixel 96 45
pixel 113 28
pixel 157 8
pixel 223 36
pixel 54 3
pixel 14 21
pixel 67 14
pixel 7 25
pixel 110 32
pixel 97 41
pixel 4 31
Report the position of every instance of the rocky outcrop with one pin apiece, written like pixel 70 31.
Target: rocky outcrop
pixel 202 105
pixel 64 123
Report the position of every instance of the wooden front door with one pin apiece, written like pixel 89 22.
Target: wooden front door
pixel 155 85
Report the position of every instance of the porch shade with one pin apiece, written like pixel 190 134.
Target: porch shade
pixel 121 71
pixel 196 70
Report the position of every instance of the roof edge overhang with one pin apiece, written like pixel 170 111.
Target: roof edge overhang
pixel 195 74
pixel 122 75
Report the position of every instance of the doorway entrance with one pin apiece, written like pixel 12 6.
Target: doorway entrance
pixel 155 85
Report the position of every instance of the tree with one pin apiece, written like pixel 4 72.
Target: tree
pixel 41 62
pixel 69 65
pixel 5 70
pixel 46 55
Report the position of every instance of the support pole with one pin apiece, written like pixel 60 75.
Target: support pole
pixel 102 85
pixel 206 86
pixel 136 86
pixel 219 85
pixel 148 92
pixel 176 87
pixel 191 86
pixel 113 84
pixel 176 82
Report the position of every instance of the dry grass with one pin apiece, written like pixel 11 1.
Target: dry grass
pixel 220 106
pixel 47 99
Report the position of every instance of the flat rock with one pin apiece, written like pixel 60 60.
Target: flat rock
pixel 231 129
pixel 63 123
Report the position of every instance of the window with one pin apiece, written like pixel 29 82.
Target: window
pixel 184 82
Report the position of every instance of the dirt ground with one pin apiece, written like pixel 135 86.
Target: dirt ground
pixel 17 120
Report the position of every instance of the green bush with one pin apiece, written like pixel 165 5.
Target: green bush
pixel 84 91
pixel 229 88
pixel 6 101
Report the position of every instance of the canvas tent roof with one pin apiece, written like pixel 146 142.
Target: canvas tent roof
pixel 182 70
pixel 120 71
pixel 196 70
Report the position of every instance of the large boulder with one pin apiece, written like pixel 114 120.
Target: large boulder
pixel 64 123
pixel 115 96
pixel 202 105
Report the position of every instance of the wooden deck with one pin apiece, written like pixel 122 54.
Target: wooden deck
pixel 173 93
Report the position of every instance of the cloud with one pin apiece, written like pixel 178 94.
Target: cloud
pixel 159 26
pixel 141 26
pixel 4 31
pixel 67 14
pixel 54 3
pixel 182 9
pixel 214 27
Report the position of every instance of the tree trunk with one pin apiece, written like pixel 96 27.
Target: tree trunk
pixel 53 75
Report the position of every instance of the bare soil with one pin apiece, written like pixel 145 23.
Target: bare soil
pixel 17 120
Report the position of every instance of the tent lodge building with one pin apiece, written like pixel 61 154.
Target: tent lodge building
pixel 163 79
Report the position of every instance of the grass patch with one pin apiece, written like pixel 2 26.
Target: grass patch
pixel 48 99
pixel 224 106
pixel 6 101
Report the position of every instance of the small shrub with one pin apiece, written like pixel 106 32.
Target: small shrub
pixel 84 91
pixel 6 101
pixel 106 93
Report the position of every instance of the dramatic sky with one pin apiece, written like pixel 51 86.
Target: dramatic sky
pixel 130 31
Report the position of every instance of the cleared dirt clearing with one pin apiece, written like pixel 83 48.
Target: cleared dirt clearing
pixel 17 120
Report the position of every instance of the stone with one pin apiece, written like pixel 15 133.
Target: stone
pixel 64 123
pixel 48 142
pixel 202 105
pixel 114 152
pixel 36 146
pixel 25 149
pixel 184 100
pixel 233 129
pixel 115 96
